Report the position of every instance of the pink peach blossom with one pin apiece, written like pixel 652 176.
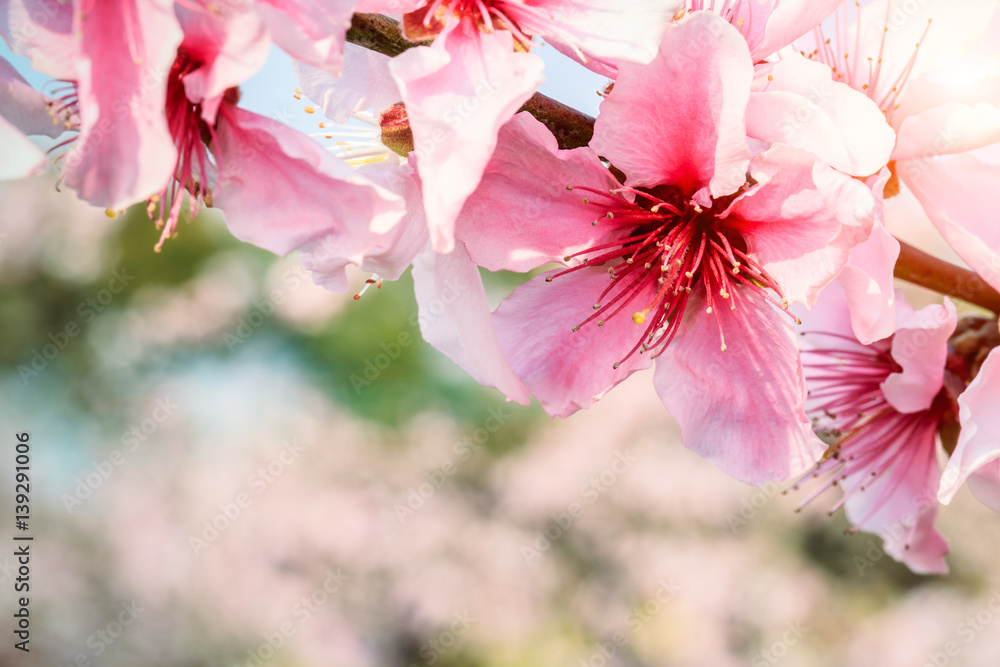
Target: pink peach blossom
pixel 880 406
pixel 706 243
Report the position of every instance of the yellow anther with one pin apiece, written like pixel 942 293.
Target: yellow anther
pixel 639 317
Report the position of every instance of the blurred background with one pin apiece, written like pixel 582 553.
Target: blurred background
pixel 232 466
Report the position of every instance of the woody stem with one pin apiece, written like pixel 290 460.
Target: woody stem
pixel 380 33
pixel 935 274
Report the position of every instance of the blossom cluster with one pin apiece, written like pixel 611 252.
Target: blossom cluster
pixel 722 221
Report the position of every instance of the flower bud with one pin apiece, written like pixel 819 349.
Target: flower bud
pixel 396 133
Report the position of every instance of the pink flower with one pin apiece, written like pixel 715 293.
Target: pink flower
pixel 278 188
pixel 476 75
pixel 880 406
pixel 704 244
pixel 928 67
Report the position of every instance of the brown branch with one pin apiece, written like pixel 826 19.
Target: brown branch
pixel 571 128
pixel 935 274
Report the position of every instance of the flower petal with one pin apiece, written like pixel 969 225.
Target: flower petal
pixel 279 189
pixel 365 84
pixel 42 30
pixel 920 347
pixel 978 445
pixel 313 31
pixel 125 151
pixel 567 370
pixel 522 215
pixel 900 505
pixel 602 29
pixel 680 119
pixel 789 20
pixel 24 107
pixel 799 104
pixel 802 219
pixel 455 318
pixel 742 409
pixel 458 92
pixel 957 194
pixel 867 279
pixel 388 254
pixel 230 46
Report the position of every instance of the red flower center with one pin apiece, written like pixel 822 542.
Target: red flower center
pixel 868 437
pixel 192 136
pixel 673 247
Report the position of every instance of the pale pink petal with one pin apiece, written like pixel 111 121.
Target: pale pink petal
pixel 365 84
pixel 867 278
pixel 798 103
pixel 831 314
pixel 313 31
pixel 900 505
pixel 41 30
pixel 949 128
pixel 522 215
pixel 455 318
pixel 920 347
pixel 279 189
pixel 789 20
pixel 680 119
pixel 458 92
pixel 958 195
pixel 802 219
pixel 125 151
pixel 978 445
pixel 602 29
pixel 985 484
pixel 24 107
pixel 742 409
pixel 230 45
pixel 388 254
pixel 567 370
pixel 20 157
